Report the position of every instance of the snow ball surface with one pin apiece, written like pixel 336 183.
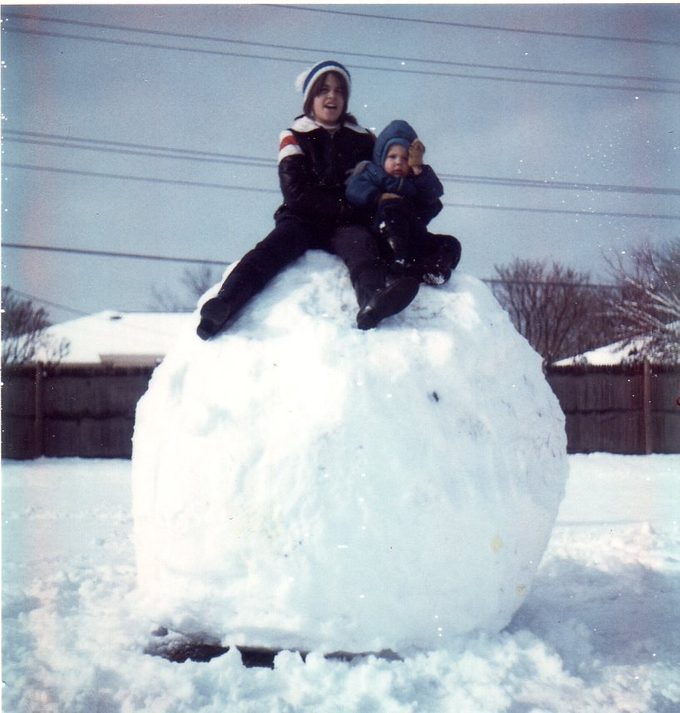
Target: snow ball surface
pixel 299 483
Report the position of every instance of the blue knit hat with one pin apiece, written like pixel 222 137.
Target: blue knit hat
pixel 305 80
pixel 396 132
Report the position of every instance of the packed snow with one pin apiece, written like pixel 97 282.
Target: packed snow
pixel 300 483
pixel 597 632
pixel 86 542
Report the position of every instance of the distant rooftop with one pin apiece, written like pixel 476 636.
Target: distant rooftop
pixel 608 355
pixel 611 354
pixel 120 338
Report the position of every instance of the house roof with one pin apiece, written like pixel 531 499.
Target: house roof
pixel 608 355
pixel 120 338
pixel 615 354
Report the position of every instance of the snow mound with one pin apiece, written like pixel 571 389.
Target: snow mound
pixel 300 483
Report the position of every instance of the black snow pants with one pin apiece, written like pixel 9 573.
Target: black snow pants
pixel 356 245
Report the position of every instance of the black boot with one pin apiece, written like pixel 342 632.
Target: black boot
pixel 395 229
pixel 381 295
pixel 221 311
pixel 436 268
pixel 215 314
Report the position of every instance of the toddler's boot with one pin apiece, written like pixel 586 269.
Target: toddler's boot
pixel 381 295
pixel 436 268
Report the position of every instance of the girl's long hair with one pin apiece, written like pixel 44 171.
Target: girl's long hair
pixel 316 90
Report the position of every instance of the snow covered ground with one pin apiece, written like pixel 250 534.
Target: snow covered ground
pixel 598 632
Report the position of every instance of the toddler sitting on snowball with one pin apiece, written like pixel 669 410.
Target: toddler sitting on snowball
pixel 404 195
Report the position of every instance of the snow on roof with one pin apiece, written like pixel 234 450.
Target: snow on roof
pixel 608 355
pixel 613 354
pixel 110 337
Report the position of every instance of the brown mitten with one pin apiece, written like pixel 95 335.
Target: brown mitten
pixel 415 155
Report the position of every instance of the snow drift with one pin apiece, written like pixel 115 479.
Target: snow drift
pixel 300 483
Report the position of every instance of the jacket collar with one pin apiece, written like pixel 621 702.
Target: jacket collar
pixel 305 124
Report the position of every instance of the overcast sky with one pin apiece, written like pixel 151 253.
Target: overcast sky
pixel 154 129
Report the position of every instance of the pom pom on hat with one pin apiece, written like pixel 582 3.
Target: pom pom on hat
pixel 305 80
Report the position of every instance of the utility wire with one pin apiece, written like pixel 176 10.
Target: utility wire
pixel 131 43
pixel 558 185
pixel 63 141
pixel 549 283
pixel 109 253
pixel 82 313
pixel 493 28
pixel 488 280
pixel 582 85
pixel 591 213
pixel 142 179
pixel 325 50
pixel 47 302
pixel 69 144
pixel 558 211
pixel 146 147
pixel 369 68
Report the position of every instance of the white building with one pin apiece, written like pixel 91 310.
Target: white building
pixel 118 338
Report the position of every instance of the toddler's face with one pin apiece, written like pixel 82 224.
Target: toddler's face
pixel 396 161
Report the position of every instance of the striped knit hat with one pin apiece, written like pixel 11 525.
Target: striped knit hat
pixel 305 80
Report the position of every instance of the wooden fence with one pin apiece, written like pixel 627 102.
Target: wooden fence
pixel 628 410
pixel 70 410
pixel 89 411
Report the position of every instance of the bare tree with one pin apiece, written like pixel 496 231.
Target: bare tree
pixel 23 333
pixel 555 308
pixel 194 282
pixel 649 302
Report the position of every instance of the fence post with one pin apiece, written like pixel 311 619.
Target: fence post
pixel 39 421
pixel 648 436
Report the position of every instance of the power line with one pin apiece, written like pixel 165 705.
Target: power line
pixel 582 85
pixel 486 280
pixel 63 141
pixel 141 179
pixel 494 28
pixel 479 206
pixel 51 304
pixel 325 50
pixel 101 253
pixel 82 313
pixel 454 75
pixel 491 281
pixel 131 43
pixel 145 147
pixel 71 144
pixel 565 211
pixel 549 283
pixel 557 185
pixel 109 253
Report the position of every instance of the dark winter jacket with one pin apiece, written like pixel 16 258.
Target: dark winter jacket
pixel 314 164
pixel 370 180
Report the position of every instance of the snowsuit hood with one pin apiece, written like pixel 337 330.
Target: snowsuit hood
pixel 396 132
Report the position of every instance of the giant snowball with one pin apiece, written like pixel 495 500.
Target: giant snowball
pixel 300 483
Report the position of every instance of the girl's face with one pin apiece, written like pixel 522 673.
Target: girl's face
pixel 329 104
pixel 396 161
